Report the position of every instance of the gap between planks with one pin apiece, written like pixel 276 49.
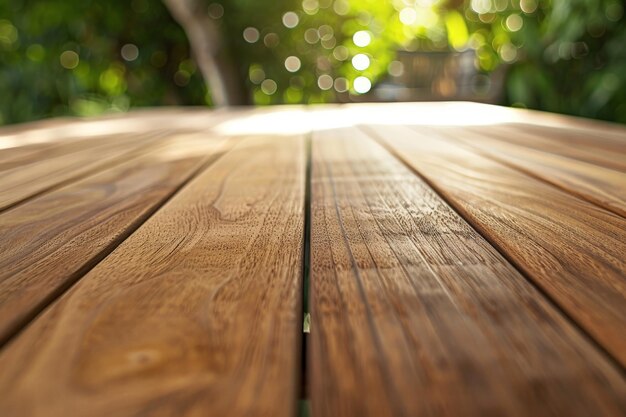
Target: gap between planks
pixel 306 253
pixel 304 406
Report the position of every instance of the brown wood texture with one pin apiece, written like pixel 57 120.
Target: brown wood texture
pixel 24 181
pixel 603 186
pixel 583 146
pixel 27 154
pixel 20 156
pixel 571 248
pixel 574 132
pixel 50 241
pixel 414 314
pixel 151 264
pixel 197 313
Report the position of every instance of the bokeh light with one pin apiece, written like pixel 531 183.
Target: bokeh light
pixel 408 15
pixel 310 7
pixel 130 52
pixel 341 7
pixel 523 52
pixel 290 20
pixel 215 10
pixel 325 82
pixel 362 38
pixel 395 68
pixel 292 63
pixel 69 59
pixel 362 84
pixel 256 74
pixel 514 22
pixel 269 86
pixel 341 53
pixel 341 85
pixel 271 40
pixel 311 35
pixel 360 62
pixel 251 34
pixel 528 6
pixel 508 52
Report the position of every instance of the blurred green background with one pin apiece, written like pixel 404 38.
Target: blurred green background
pixel 71 57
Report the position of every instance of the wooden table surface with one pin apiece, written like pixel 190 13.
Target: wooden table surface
pixel 431 259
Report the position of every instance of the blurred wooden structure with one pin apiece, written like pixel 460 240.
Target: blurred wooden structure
pixel 451 258
pixel 430 76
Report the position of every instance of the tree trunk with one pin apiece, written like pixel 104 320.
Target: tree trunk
pixel 214 62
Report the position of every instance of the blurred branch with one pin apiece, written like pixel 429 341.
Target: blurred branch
pixel 213 59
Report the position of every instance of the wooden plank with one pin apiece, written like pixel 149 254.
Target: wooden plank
pixel 197 313
pixel 589 133
pixel 559 142
pixel 29 154
pixel 572 249
pixel 24 155
pixel 26 181
pixel 415 314
pixel 51 123
pixel 602 186
pixel 38 141
pixel 135 122
pixel 50 241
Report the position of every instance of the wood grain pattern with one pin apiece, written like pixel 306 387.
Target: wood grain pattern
pixel 563 142
pixel 20 156
pixel 27 154
pixel 602 186
pixel 198 310
pixel 572 249
pixel 588 133
pixel 24 181
pixel 197 313
pixel 414 314
pixel 48 242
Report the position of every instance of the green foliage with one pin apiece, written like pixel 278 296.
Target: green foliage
pixel 67 57
pixel 62 57
pixel 319 46
pixel 571 59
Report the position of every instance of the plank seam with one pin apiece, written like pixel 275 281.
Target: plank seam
pixel 482 232
pixel 124 157
pixel 473 148
pixel 605 164
pixel 547 181
pixel 306 265
pixel 74 278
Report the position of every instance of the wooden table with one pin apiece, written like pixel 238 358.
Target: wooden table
pixel 447 259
